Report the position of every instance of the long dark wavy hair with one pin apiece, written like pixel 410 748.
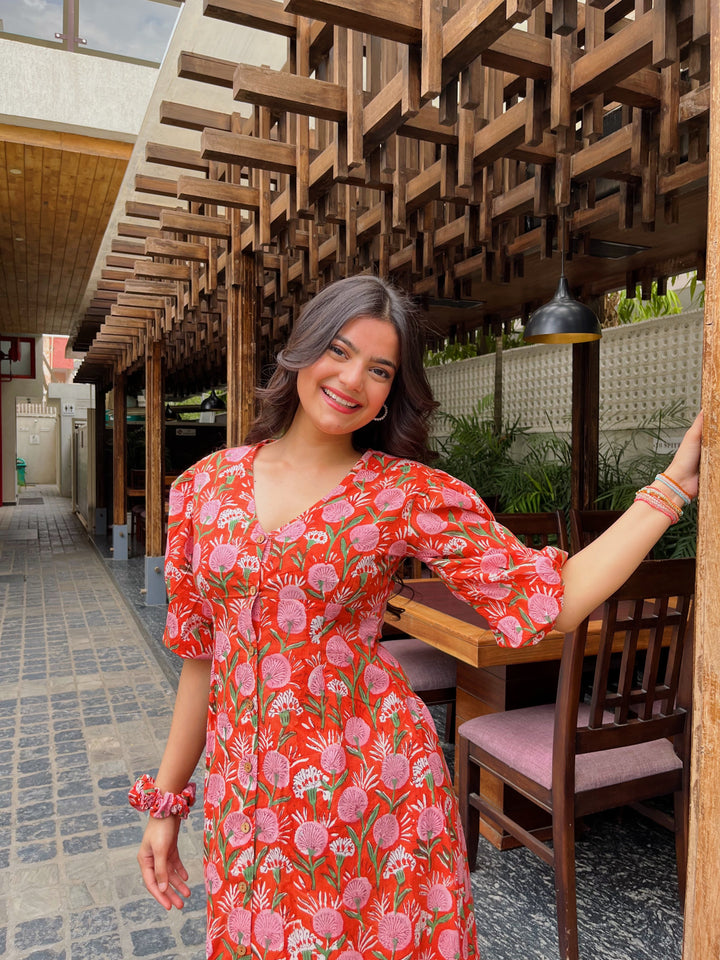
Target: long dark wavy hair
pixel 404 431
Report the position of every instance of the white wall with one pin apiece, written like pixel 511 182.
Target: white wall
pixel 30 391
pixel 72 401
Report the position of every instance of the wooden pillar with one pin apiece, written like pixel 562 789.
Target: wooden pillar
pixel 241 352
pixel 154 449
pixel 702 905
pixel 100 492
pixel 120 530
pixel 585 426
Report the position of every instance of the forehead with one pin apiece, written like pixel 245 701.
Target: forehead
pixel 375 334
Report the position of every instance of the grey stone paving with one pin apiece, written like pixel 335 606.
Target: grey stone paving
pixel 84 708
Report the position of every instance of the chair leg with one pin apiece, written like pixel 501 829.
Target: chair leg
pixel 450 722
pixel 681 829
pixel 468 782
pixel 565 895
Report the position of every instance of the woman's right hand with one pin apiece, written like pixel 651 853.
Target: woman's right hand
pixel 162 869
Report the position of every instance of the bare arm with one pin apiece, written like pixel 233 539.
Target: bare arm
pixel 592 574
pixel 162 869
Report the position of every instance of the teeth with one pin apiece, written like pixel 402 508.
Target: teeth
pixel 340 400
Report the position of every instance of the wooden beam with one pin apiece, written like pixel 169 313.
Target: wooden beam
pixel 217 192
pixel 197 224
pixel 399 20
pixel 171 156
pixel 248 151
pixel 177 250
pixel 286 91
pixel 162 186
pixel 194 66
pixel 162 271
pixel 267 15
pixel 192 118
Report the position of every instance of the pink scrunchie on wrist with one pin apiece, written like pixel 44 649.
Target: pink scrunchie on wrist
pixel 144 795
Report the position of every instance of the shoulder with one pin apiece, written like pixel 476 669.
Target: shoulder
pixel 417 477
pixel 220 461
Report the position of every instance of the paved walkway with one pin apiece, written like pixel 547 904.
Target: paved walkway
pixel 84 709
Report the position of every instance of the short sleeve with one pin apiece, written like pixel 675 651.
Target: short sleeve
pixel 188 627
pixel 516 588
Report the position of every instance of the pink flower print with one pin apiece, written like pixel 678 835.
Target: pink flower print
pixel 338 652
pixel 223 557
pixel 430 522
pixel 188 547
pixel 328 923
pixel 449 945
pixel 426 554
pixel 269 930
pixel 245 679
pixel 196 557
pixel 437 769
pixel 386 657
pixel 244 621
pixel 495 591
pixel 266 825
pixel 546 569
pixel 311 838
pixel 470 516
pixel 494 563
pixel 292 531
pixel 395 931
pixel 239 829
pixel 456 498
pixel 430 823
pixel 215 788
pixel 365 537
pixel 335 492
pixel 212 878
pixel 291 592
pixel 316 681
pixel 323 577
pixel 439 898
pixel 333 759
pixel 335 512
pixel 276 671
pixel 386 830
pixel 333 610
pixel 368 628
pixel 176 502
pixel 352 804
pixel 357 893
pixel 376 679
pixel 235 454
pixel 398 548
pixel 276 768
pixel 201 479
pixel 247 769
pixel 292 617
pixel 206 609
pixel 171 625
pixel 391 498
pixel 395 771
pixel 222 644
pixel 210 742
pixel 350 955
pixel 543 608
pixel 239 925
pixel 357 731
pixel 364 475
pixel 209 511
pixel 511 630
pixel 223 725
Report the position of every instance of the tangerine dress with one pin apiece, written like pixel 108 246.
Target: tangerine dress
pixel 331 826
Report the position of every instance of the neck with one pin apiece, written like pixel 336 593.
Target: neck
pixel 306 445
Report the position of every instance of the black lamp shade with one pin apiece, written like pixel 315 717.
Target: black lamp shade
pixel 562 320
pixel 212 402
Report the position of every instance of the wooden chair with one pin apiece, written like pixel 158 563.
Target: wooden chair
pixel 537 529
pixel 628 743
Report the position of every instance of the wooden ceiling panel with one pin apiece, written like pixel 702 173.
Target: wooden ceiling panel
pixel 56 195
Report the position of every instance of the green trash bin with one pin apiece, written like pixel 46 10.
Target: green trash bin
pixel 20 466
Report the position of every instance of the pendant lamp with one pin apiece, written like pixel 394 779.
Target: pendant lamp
pixel 562 319
pixel 212 402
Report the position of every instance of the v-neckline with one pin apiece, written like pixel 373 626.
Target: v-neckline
pixel 250 472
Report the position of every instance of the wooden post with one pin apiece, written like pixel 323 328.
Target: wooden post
pixel 100 493
pixel 585 430
pixel 154 449
pixel 119 450
pixel 241 360
pixel 702 907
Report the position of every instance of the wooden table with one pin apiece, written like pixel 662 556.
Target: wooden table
pixel 490 678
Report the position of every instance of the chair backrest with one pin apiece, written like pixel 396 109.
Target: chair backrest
pixel 646 621
pixel 537 529
pixel 587 525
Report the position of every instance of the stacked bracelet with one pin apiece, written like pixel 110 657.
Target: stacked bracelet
pixel 144 795
pixel 675 487
pixel 657 499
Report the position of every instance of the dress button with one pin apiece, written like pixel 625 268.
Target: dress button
pixel 242 887
pixel 247 766
pixel 252 591
pixel 261 538
pixel 242 951
pixel 245 826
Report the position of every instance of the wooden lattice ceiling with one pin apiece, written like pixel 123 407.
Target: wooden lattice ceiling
pixel 433 141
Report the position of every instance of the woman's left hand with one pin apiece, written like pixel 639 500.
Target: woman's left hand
pixel 685 464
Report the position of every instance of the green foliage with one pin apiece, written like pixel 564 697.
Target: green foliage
pixel 480 345
pixel 633 309
pixel 539 479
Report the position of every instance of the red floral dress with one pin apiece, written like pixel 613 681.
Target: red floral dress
pixel 331 825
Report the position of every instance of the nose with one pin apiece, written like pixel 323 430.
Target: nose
pixel 351 374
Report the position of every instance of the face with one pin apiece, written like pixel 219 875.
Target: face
pixel 347 386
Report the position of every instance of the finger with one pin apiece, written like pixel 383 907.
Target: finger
pixel 150 880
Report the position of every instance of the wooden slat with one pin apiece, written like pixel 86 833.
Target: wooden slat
pixel 282 91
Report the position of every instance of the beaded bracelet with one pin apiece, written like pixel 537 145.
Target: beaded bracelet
pixel 654 498
pixel 675 487
pixel 144 795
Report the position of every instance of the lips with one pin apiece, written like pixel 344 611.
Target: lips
pixel 339 401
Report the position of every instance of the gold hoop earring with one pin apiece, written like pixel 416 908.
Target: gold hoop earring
pixel 383 415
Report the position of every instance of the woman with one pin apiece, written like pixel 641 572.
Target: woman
pixel 331 825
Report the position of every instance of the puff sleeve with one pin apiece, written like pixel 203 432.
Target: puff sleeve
pixel 516 588
pixel 188 627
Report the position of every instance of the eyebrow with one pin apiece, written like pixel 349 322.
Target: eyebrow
pixel 382 360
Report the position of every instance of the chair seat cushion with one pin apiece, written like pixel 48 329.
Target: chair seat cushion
pixel 523 739
pixel 425 667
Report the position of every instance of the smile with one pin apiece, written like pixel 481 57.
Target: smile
pixel 340 400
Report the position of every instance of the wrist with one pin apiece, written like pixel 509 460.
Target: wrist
pixel 146 795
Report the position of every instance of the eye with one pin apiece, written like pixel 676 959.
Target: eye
pixel 336 349
pixel 381 372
